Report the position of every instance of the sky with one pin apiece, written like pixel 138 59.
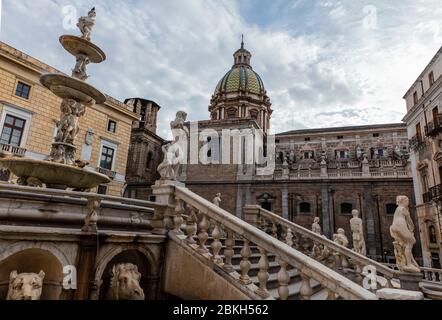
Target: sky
pixel 324 63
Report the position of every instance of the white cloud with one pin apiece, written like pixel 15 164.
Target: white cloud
pixel 321 67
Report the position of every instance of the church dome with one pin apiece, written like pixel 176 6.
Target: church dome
pixel 241 78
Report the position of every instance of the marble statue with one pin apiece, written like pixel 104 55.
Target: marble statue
pixel 402 231
pixel 85 24
pixel 357 230
pixel 341 238
pixel 25 286
pixel 217 200
pixel 179 121
pixel 316 227
pixel 125 283
pixel 80 70
pixel 169 167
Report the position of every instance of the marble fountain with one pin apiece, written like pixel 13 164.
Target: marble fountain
pixel 61 170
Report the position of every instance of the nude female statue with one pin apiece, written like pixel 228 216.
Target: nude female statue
pixel 402 231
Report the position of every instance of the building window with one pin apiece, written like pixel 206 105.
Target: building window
pixel 431 78
pixel 375 135
pixel 340 137
pixel 112 126
pixel 432 234
pixel 380 153
pixel 305 208
pixel 107 157
pixel 307 139
pixel 231 113
pixel 309 154
pixel 149 160
pixel 102 190
pixel 346 208
pixel 22 90
pixel 415 99
pixel 390 208
pixel 13 129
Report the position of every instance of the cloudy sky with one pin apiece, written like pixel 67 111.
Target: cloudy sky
pixel 324 63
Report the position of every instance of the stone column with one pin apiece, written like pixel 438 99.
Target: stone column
pixel 285 202
pixel 239 201
pixel 325 211
pixel 85 267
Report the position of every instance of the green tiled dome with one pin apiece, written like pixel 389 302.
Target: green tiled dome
pixel 239 78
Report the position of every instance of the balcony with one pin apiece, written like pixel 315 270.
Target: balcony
pixel 111 174
pixel 16 151
pixel 436 192
pixel 434 127
pixel 417 143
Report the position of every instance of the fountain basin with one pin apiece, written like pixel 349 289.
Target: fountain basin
pixel 76 45
pixel 55 174
pixel 70 88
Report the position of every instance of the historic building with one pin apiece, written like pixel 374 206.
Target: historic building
pixel 145 150
pixel 322 173
pixel 28 115
pixel 424 103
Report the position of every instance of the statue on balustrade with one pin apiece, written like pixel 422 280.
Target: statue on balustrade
pixel 402 231
pixel 25 286
pixel 341 238
pixel 316 227
pixel 357 230
pixel 125 283
pixel 217 200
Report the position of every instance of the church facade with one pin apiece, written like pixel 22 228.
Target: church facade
pixel 323 173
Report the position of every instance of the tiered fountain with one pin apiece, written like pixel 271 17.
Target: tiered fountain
pixel 60 169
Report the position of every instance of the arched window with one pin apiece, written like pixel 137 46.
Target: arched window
pixel 390 208
pixel 209 152
pixel 305 208
pixel 231 113
pixel 346 208
pixel 432 234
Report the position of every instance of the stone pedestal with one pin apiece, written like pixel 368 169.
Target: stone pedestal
pixel 250 214
pixel 410 281
pixel 397 294
pixel 164 191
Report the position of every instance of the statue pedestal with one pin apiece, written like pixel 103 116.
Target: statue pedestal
pixel 410 281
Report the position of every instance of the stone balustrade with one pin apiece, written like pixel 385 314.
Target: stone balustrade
pixel 16 151
pixel 334 256
pixel 104 210
pixel 201 219
pixel 432 275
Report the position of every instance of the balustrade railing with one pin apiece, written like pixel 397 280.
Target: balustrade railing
pixel 339 258
pixel 16 151
pixel 235 228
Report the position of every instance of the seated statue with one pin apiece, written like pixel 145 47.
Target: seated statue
pixel 125 283
pixel 25 286
pixel 402 231
pixel 341 238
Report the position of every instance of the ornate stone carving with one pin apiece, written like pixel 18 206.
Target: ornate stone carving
pixel 90 222
pixel 80 70
pixel 179 121
pixel 341 238
pixel 85 24
pixel 125 283
pixel 25 286
pixel 358 233
pixel 402 231
pixel 217 200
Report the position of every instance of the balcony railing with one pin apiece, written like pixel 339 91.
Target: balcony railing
pixel 427 197
pixel 417 142
pixel 434 127
pixel 16 151
pixel 436 192
pixel 111 174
